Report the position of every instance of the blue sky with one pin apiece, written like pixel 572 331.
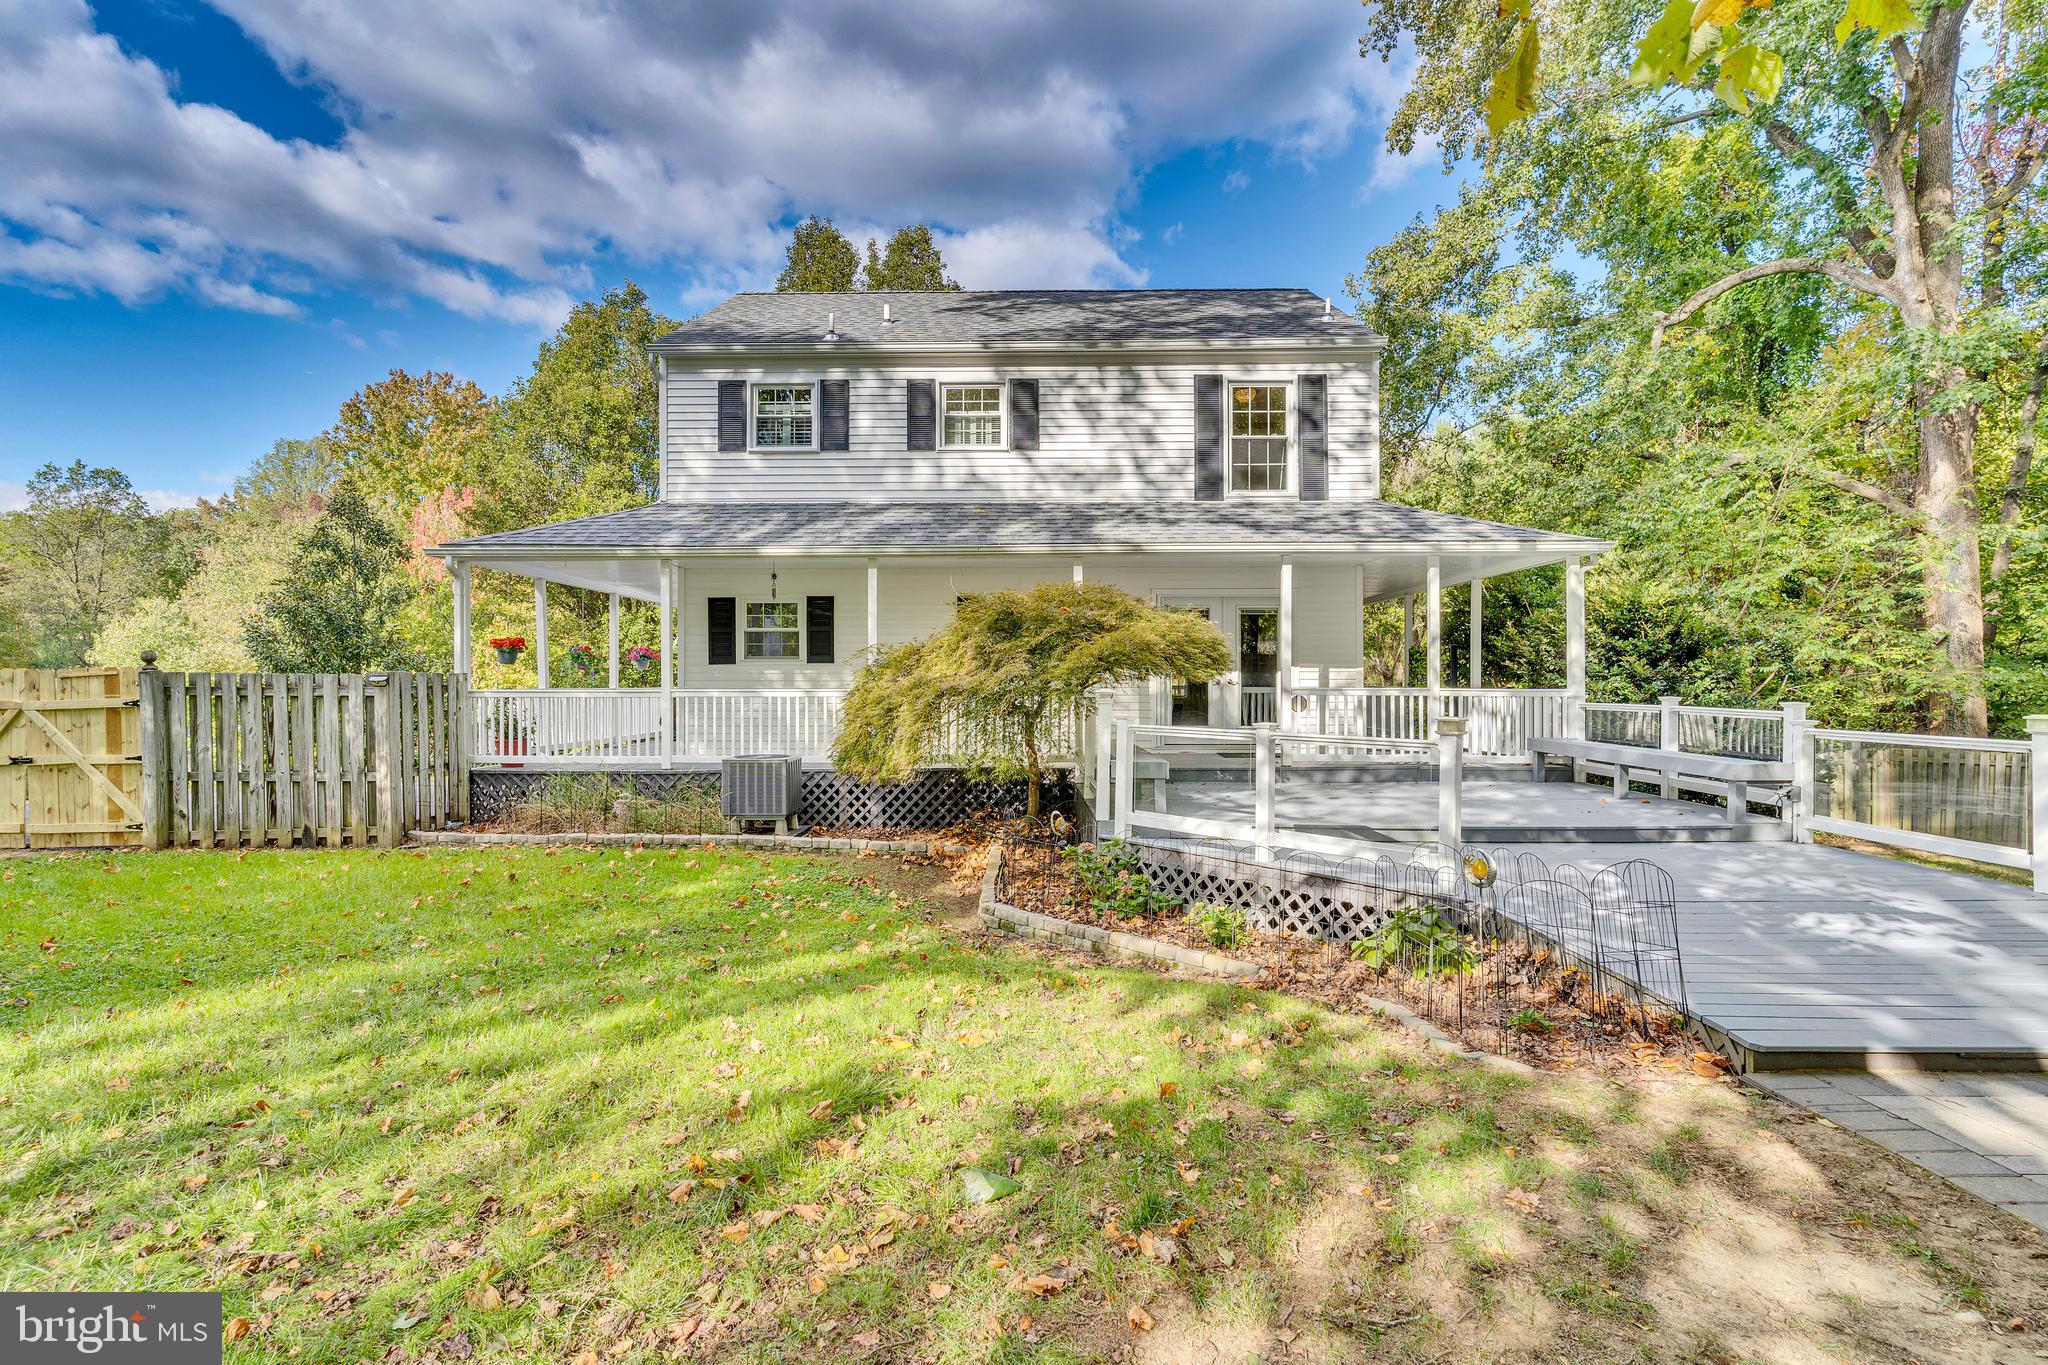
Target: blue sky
pixel 218 221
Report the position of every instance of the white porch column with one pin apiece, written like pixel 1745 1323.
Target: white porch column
pixel 1433 636
pixel 1283 681
pixel 1575 644
pixel 463 646
pixel 612 674
pixel 666 626
pixel 540 632
pixel 673 634
pixel 1407 640
pixel 1473 644
pixel 874 606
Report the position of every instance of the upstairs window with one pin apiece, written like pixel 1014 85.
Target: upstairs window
pixel 771 630
pixel 1258 438
pixel 782 417
pixel 973 416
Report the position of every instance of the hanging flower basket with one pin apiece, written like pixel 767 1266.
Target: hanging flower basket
pixel 508 647
pixel 642 660
pixel 583 659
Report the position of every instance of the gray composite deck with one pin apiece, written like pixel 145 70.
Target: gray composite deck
pixel 1799 955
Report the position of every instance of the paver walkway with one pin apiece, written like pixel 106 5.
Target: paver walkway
pixel 1985 1133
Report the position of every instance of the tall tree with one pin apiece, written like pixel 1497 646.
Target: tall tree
pixel 407 436
pixel 821 260
pixel 1894 159
pixel 84 548
pixel 576 436
pixel 910 263
pixel 337 608
pixel 292 472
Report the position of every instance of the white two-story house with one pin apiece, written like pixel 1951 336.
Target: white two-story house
pixel 838 469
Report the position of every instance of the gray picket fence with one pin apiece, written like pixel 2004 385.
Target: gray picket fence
pixel 301 758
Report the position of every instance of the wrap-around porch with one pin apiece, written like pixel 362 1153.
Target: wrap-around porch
pixel 756 655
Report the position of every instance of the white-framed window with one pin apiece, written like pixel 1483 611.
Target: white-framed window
pixel 1260 442
pixel 784 416
pixel 971 416
pixel 772 631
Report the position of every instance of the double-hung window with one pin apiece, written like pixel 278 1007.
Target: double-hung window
pixel 771 630
pixel 973 416
pixel 1258 438
pixel 783 418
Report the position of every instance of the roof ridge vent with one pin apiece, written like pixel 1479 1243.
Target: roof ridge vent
pixel 886 317
pixel 831 326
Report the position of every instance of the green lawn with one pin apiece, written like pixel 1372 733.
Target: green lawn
pixel 512 1104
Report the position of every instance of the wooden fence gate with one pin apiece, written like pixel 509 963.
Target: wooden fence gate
pixel 70 758
pixel 309 758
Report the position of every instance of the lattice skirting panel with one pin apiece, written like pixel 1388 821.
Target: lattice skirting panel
pixel 931 800
pixel 1277 899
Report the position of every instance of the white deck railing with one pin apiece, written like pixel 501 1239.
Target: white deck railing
pixel 1963 798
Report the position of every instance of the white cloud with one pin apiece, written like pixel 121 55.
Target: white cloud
pixel 1392 169
pixel 1172 234
pixel 1236 182
pixel 493 147
pixel 164 499
pixel 13 496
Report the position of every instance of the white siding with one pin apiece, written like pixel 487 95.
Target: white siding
pixel 917 599
pixel 1123 431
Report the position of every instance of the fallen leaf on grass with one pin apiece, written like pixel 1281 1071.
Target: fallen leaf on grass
pixel 1165 1250
pixel 1525 1200
pixel 987 1186
pixel 1051 1282
pixel 236 1329
pixel 1140 1320
pixel 938 1289
pixel 1188 1173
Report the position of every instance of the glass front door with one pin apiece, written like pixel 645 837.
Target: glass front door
pixel 1190 701
pixel 1258 663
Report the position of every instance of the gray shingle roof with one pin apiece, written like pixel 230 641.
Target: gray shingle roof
pixel 1023 316
pixel 848 527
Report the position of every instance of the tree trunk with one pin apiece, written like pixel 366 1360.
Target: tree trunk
pixel 1029 735
pixel 1946 497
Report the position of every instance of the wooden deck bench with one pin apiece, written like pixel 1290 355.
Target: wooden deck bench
pixel 1735 775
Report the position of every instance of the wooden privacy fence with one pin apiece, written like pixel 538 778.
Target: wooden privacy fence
pixel 71 771
pixel 308 758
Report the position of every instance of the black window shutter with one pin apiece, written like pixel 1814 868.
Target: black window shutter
pixel 832 424
pixel 732 414
pixel 1315 437
pixel 720 629
pixel 1023 414
pixel 920 421
pixel 818 630
pixel 1208 438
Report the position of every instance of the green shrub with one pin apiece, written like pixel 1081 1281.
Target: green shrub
pixel 1110 876
pixel 1223 925
pixel 1421 936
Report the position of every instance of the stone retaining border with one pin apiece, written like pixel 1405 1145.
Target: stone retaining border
pixel 1088 938
pixel 787 843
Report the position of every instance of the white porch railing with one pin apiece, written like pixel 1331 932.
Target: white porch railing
pixel 597 727
pixel 1980 799
pixel 1500 721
